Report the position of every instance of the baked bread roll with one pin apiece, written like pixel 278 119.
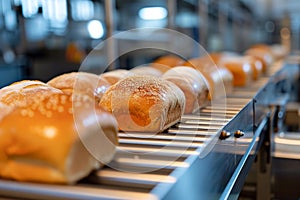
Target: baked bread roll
pixel 114 76
pixel 164 63
pixel 144 103
pixel 52 137
pixel 240 68
pixel 193 85
pixel 87 83
pixel 219 78
pixel 263 53
pixel 229 58
pixel 146 70
pixel 256 66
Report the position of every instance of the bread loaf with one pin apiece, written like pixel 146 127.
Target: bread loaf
pixel 263 53
pixel 52 137
pixel 256 66
pixel 240 68
pixel 220 79
pixel 239 64
pixel 193 85
pixel 84 82
pixel 144 103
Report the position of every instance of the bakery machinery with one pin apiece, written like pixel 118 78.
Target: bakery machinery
pixel 207 155
pixel 285 151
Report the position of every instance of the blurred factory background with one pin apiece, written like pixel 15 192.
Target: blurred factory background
pixel 40 39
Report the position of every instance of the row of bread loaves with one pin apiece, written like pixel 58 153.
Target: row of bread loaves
pixel 64 129
pixel 52 135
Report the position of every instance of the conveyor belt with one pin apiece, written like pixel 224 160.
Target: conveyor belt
pixel 147 163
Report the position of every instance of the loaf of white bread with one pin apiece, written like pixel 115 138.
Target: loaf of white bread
pixel 50 136
pixel 144 103
pixel 193 85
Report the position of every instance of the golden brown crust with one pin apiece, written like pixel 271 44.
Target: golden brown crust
pixel 193 85
pixel 262 52
pixel 144 103
pixel 241 69
pixel 218 78
pixel 84 82
pixel 232 61
pixel 256 66
pixel 47 133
